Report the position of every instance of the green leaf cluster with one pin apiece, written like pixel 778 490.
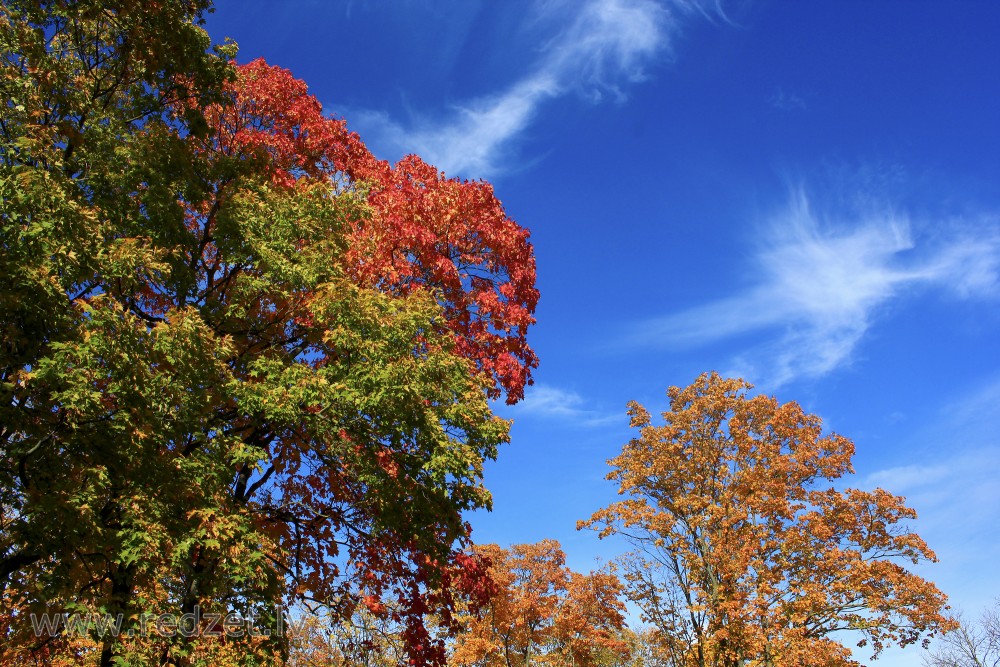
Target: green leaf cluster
pixel 198 407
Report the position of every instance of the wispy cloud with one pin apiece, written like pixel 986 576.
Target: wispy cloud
pixel 820 283
pixel 954 493
pixel 952 480
pixel 783 100
pixel 605 45
pixel 548 402
pixel 956 499
pixel 954 484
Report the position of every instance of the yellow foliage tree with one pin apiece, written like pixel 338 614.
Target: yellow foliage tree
pixel 745 554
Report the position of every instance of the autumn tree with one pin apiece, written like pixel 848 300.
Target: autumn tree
pixel 543 612
pixel 744 552
pixel 587 630
pixel 649 647
pixel 356 639
pixel 971 644
pixel 243 362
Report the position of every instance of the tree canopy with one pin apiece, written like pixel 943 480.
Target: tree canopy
pixel 243 361
pixel 745 553
pixel 543 613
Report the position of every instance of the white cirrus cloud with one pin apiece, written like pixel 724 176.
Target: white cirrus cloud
pixel 548 402
pixel 956 499
pixel 604 45
pixel 820 284
pixel 782 100
pixel 952 480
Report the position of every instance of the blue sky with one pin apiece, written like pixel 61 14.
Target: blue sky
pixel 805 194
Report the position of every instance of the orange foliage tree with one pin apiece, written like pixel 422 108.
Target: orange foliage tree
pixel 543 612
pixel 355 639
pixel 744 552
pixel 649 647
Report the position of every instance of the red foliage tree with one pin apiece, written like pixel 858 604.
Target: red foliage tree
pixel 420 228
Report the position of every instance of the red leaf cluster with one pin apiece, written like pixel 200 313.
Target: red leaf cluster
pixel 423 231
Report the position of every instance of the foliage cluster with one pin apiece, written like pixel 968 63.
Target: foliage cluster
pixel 243 362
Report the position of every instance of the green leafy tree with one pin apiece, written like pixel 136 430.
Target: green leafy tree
pixel 211 401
